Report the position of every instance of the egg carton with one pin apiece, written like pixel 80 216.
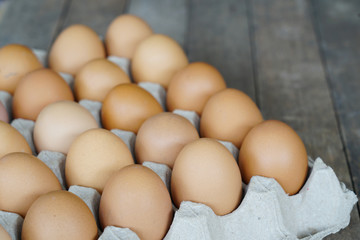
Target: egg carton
pixel 266 211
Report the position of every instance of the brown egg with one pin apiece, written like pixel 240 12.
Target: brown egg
pixel 4 235
pixel 15 61
pixel 127 106
pixel 74 47
pixel 94 156
pixel 59 123
pixel 161 138
pixel 4 116
pixel 273 149
pixel 124 34
pixel 157 59
pixel 38 89
pixel 59 215
pixel 135 197
pixel 96 78
pixel 229 115
pixel 11 140
pixel 192 86
pixel 23 178
pixel 206 172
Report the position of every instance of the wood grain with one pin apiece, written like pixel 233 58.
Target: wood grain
pixel 338 26
pixel 32 23
pixel 219 35
pixel 94 13
pixel 293 87
pixel 164 16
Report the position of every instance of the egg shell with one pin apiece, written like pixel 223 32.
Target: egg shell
pixel 192 116
pixel 38 89
pixel 123 63
pixel 56 162
pixel 206 172
pixel 59 215
pixel 23 178
pixel 11 140
pixel 4 235
pixel 124 34
pixel 273 149
pixel 127 106
pixel 157 91
pixel 4 116
pixel 161 138
pixel 12 222
pixel 229 115
pixel 192 86
pixel 96 78
pixel 123 202
pixel 59 123
pixel 26 129
pixel 94 156
pixel 74 47
pixel 94 107
pixel 15 61
pixel 6 100
pixel 156 59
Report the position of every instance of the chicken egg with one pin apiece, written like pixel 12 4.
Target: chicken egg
pixel 38 89
pixel 23 178
pixel 273 149
pixel 74 47
pixel 59 123
pixel 12 140
pixel 156 59
pixel 192 86
pixel 4 235
pixel 161 137
pixel 124 34
pixel 4 116
pixel 15 61
pixel 127 106
pixel 135 197
pixel 96 78
pixel 229 115
pixel 59 215
pixel 93 157
pixel 206 172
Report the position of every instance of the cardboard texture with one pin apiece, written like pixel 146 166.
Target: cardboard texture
pixel 157 91
pixel 123 63
pixel 12 223
pixel 192 116
pixel 6 100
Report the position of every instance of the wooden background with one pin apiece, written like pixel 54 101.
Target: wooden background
pixel 298 59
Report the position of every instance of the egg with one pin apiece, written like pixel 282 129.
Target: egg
pixel 229 115
pixel 4 116
pixel 124 34
pixel 23 178
pixel 96 78
pixel 93 157
pixel 59 215
pixel 4 235
pixel 161 137
pixel 59 123
pixel 38 89
pixel 206 172
pixel 15 61
pixel 273 149
pixel 11 140
pixel 156 59
pixel 192 86
pixel 127 106
pixel 74 47
pixel 135 197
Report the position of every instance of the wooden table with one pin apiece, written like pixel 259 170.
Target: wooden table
pixel 298 59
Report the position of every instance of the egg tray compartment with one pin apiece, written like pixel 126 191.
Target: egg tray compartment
pixel 321 207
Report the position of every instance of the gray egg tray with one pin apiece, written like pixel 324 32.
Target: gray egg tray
pixel 322 206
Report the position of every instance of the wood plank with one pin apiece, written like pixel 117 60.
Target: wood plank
pixel 164 16
pixel 338 28
pixel 32 23
pixel 293 87
pixel 219 34
pixel 93 13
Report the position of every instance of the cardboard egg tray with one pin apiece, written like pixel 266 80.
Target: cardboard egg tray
pixel 322 206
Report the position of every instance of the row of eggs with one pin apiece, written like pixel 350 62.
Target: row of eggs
pixel 203 170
